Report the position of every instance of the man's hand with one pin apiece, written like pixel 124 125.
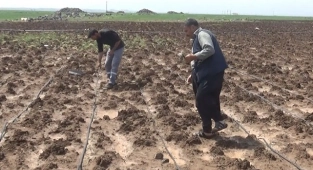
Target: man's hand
pixel 99 60
pixel 189 58
pixel 111 53
pixel 189 80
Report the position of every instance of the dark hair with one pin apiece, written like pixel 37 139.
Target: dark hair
pixel 92 32
pixel 191 21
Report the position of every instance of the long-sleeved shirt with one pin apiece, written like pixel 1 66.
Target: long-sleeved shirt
pixel 206 43
pixel 108 37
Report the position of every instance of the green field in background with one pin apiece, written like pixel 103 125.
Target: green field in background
pixel 13 15
pixel 17 15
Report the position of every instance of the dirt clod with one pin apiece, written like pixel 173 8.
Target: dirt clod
pixel 2 156
pixel 165 161
pixel 105 160
pixel 193 140
pixel 216 151
pixel 159 156
pixel 56 148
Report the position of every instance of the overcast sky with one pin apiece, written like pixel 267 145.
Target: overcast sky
pixel 252 7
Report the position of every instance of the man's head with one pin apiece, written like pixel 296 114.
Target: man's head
pixel 93 34
pixel 191 25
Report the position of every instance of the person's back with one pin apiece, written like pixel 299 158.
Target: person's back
pixel 109 37
pixel 114 54
pixel 211 65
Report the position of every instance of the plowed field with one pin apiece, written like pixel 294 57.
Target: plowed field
pixel 268 90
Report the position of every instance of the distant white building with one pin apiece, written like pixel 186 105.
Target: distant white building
pixel 24 19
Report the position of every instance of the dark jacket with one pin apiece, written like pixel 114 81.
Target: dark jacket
pixel 213 64
pixel 109 37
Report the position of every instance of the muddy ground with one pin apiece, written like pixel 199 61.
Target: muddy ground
pixel 268 89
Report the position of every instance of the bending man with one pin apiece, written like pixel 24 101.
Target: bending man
pixel 208 65
pixel 114 54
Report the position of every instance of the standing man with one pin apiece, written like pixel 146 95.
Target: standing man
pixel 114 54
pixel 208 65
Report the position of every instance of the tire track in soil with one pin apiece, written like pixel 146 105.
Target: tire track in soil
pixel 24 78
pixel 50 136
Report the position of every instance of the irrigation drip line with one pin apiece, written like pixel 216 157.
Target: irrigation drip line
pixel 266 81
pixel 260 139
pixel 274 105
pixel 282 156
pixel 266 144
pixel 155 128
pixel 81 160
pixel 155 32
pixel 5 127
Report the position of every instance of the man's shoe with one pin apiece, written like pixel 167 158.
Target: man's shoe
pixel 109 86
pixel 219 126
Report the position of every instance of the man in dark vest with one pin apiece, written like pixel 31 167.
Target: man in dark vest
pixel 208 64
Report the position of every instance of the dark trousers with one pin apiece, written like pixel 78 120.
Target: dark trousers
pixel 207 94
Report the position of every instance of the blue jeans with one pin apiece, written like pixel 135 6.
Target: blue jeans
pixel 112 63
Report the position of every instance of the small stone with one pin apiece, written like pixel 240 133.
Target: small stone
pixel 165 161
pixel 159 156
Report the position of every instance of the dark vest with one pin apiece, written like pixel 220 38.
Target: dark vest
pixel 213 64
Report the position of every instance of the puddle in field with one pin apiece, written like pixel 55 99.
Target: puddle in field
pixel 121 145
pixel 111 113
pixel 310 151
pixel 57 136
pixel 177 153
pixel 34 156
pixel 264 88
pixel 206 156
pixel 236 153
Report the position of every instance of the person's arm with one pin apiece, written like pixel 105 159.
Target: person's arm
pixel 100 57
pixel 116 38
pixel 207 46
pixel 206 43
pixel 100 52
pixel 115 45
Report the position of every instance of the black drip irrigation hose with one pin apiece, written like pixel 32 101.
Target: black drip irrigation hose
pixel 275 106
pixel 267 101
pixel 81 159
pixel 152 32
pixel 282 156
pixel 268 82
pixel 266 143
pixel 155 128
pixel 5 127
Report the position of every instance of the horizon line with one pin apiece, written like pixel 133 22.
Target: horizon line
pixel 131 11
